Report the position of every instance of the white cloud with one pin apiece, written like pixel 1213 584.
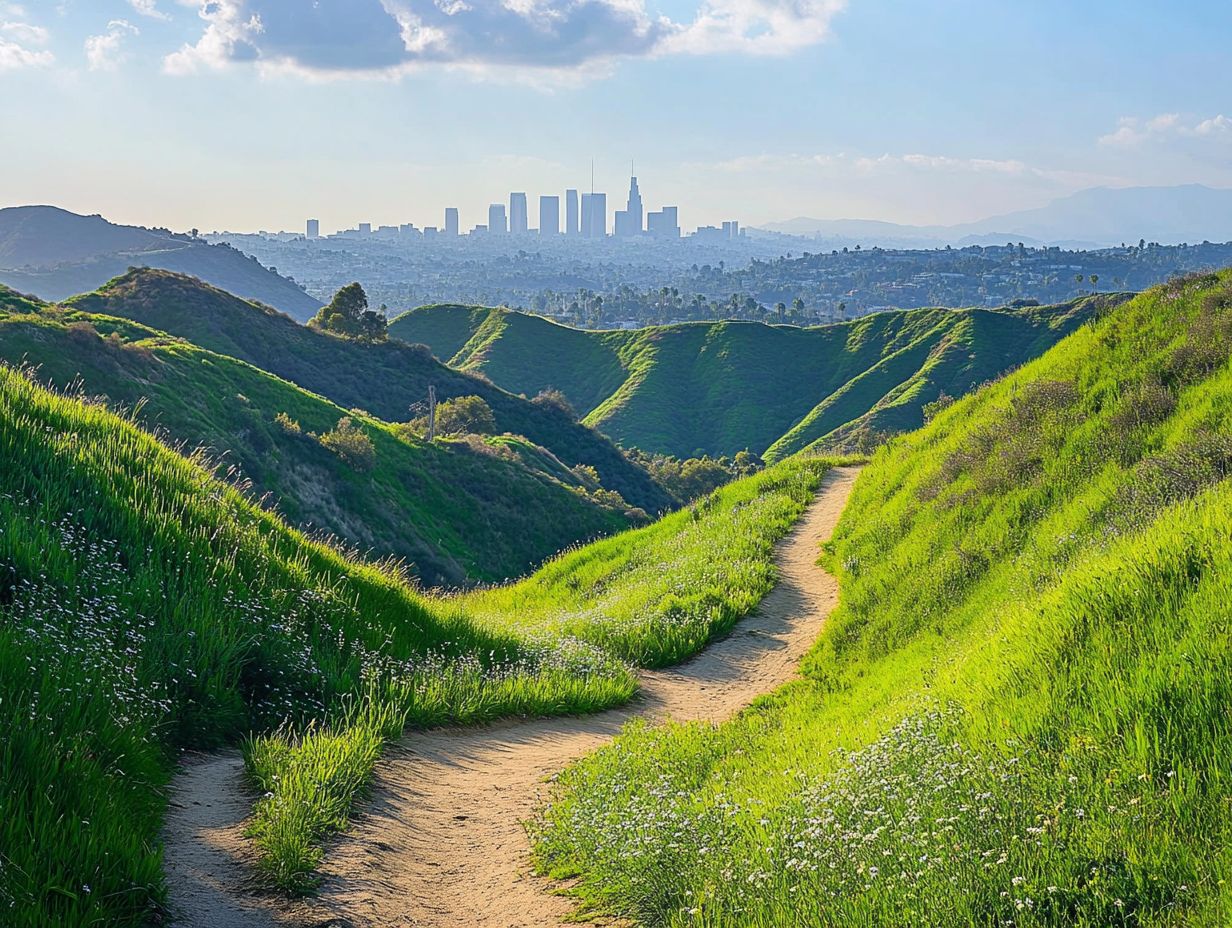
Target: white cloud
pixel 148 8
pixel 1133 131
pixel 388 38
pixel 19 41
pixel 105 52
pixel 754 27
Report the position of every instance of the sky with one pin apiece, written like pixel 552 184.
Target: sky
pixel 256 114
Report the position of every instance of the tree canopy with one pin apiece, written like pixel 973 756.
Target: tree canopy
pixel 347 314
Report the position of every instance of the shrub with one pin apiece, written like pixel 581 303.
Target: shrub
pixel 554 399
pixel 351 443
pixel 465 415
pixel 348 315
pixel 287 424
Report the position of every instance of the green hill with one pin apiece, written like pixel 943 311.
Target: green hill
pixel 386 379
pixel 717 388
pixel 147 607
pixel 457 511
pixel 56 253
pixel 1018 714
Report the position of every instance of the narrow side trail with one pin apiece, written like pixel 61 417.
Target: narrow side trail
pixel 440 844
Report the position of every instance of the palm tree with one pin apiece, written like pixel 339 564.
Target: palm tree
pixel 1079 278
pixel 1095 282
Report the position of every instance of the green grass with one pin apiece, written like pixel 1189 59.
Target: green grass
pixel 385 379
pixel 144 606
pixel 457 512
pixel 1019 712
pixel 147 607
pixel 654 596
pixel 718 388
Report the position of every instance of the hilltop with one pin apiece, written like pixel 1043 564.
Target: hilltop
pixel 457 511
pixel 1018 712
pixel 385 379
pixel 55 254
pixel 718 388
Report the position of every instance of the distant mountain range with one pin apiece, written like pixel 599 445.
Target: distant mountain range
pixel 53 254
pixel 1094 218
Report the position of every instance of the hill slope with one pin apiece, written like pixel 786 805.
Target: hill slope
pixel 1018 713
pixel 55 254
pixel 457 511
pixel 385 379
pixel 717 388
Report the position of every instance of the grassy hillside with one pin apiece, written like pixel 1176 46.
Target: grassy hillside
pixel 1019 712
pixel 717 388
pixel 457 511
pixel 55 253
pixel 385 379
pixel 145 606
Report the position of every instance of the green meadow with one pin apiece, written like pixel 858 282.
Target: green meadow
pixel 1018 714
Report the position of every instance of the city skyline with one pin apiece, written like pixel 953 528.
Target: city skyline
pixel 511 217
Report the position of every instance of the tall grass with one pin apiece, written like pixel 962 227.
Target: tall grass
pixel 146 607
pixel 1018 713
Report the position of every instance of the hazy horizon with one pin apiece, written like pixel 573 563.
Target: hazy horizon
pixel 252 114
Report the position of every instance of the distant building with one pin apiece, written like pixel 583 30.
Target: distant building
pixel 496 219
pixel 573 225
pixel 451 220
pixel 365 228
pixel 314 228
pixel 731 229
pixel 663 223
pixel 479 230
pixel 549 215
pixel 594 215
pixel 629 219
pixel 517 213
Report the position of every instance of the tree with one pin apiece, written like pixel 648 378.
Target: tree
pixel 1078 278
pixel 1095 282
pixel 348 315
pixel 465 415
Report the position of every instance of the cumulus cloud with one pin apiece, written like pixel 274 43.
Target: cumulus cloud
pixel 148 8
pixel 391 37
pixel 20 41
pixel 1132 131
pixel 105 52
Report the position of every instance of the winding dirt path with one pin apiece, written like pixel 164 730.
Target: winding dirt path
pixel 440 844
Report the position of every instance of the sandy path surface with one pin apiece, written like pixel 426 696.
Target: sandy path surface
pixel 440 844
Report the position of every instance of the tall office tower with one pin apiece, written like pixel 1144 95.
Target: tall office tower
pixel 517 213
pixel 594 215
pixel 549 215
pixel 496 218
pixel 633 211
pixel 365 228
pixel 573 225
pixel 663 223
pixel 451 220
pixel 314 228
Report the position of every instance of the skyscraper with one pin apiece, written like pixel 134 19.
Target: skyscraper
pixel 496 218
pixel 517 213
pixel 629 219
pixel 549 215
pixel 663 223
pixel 594 215
pixel 572 224
pixel 314 228
pixel 451 220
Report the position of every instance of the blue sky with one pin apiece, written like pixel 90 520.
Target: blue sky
pixel 245 114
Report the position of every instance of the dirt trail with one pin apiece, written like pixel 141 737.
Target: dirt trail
pixel 441 844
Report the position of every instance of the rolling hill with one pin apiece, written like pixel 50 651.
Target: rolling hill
pixel 385 379
pixel 54 253
pixel 457 511
pixel 718 388
pixel 1018 712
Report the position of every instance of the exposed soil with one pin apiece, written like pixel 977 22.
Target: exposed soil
pixel 440 844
